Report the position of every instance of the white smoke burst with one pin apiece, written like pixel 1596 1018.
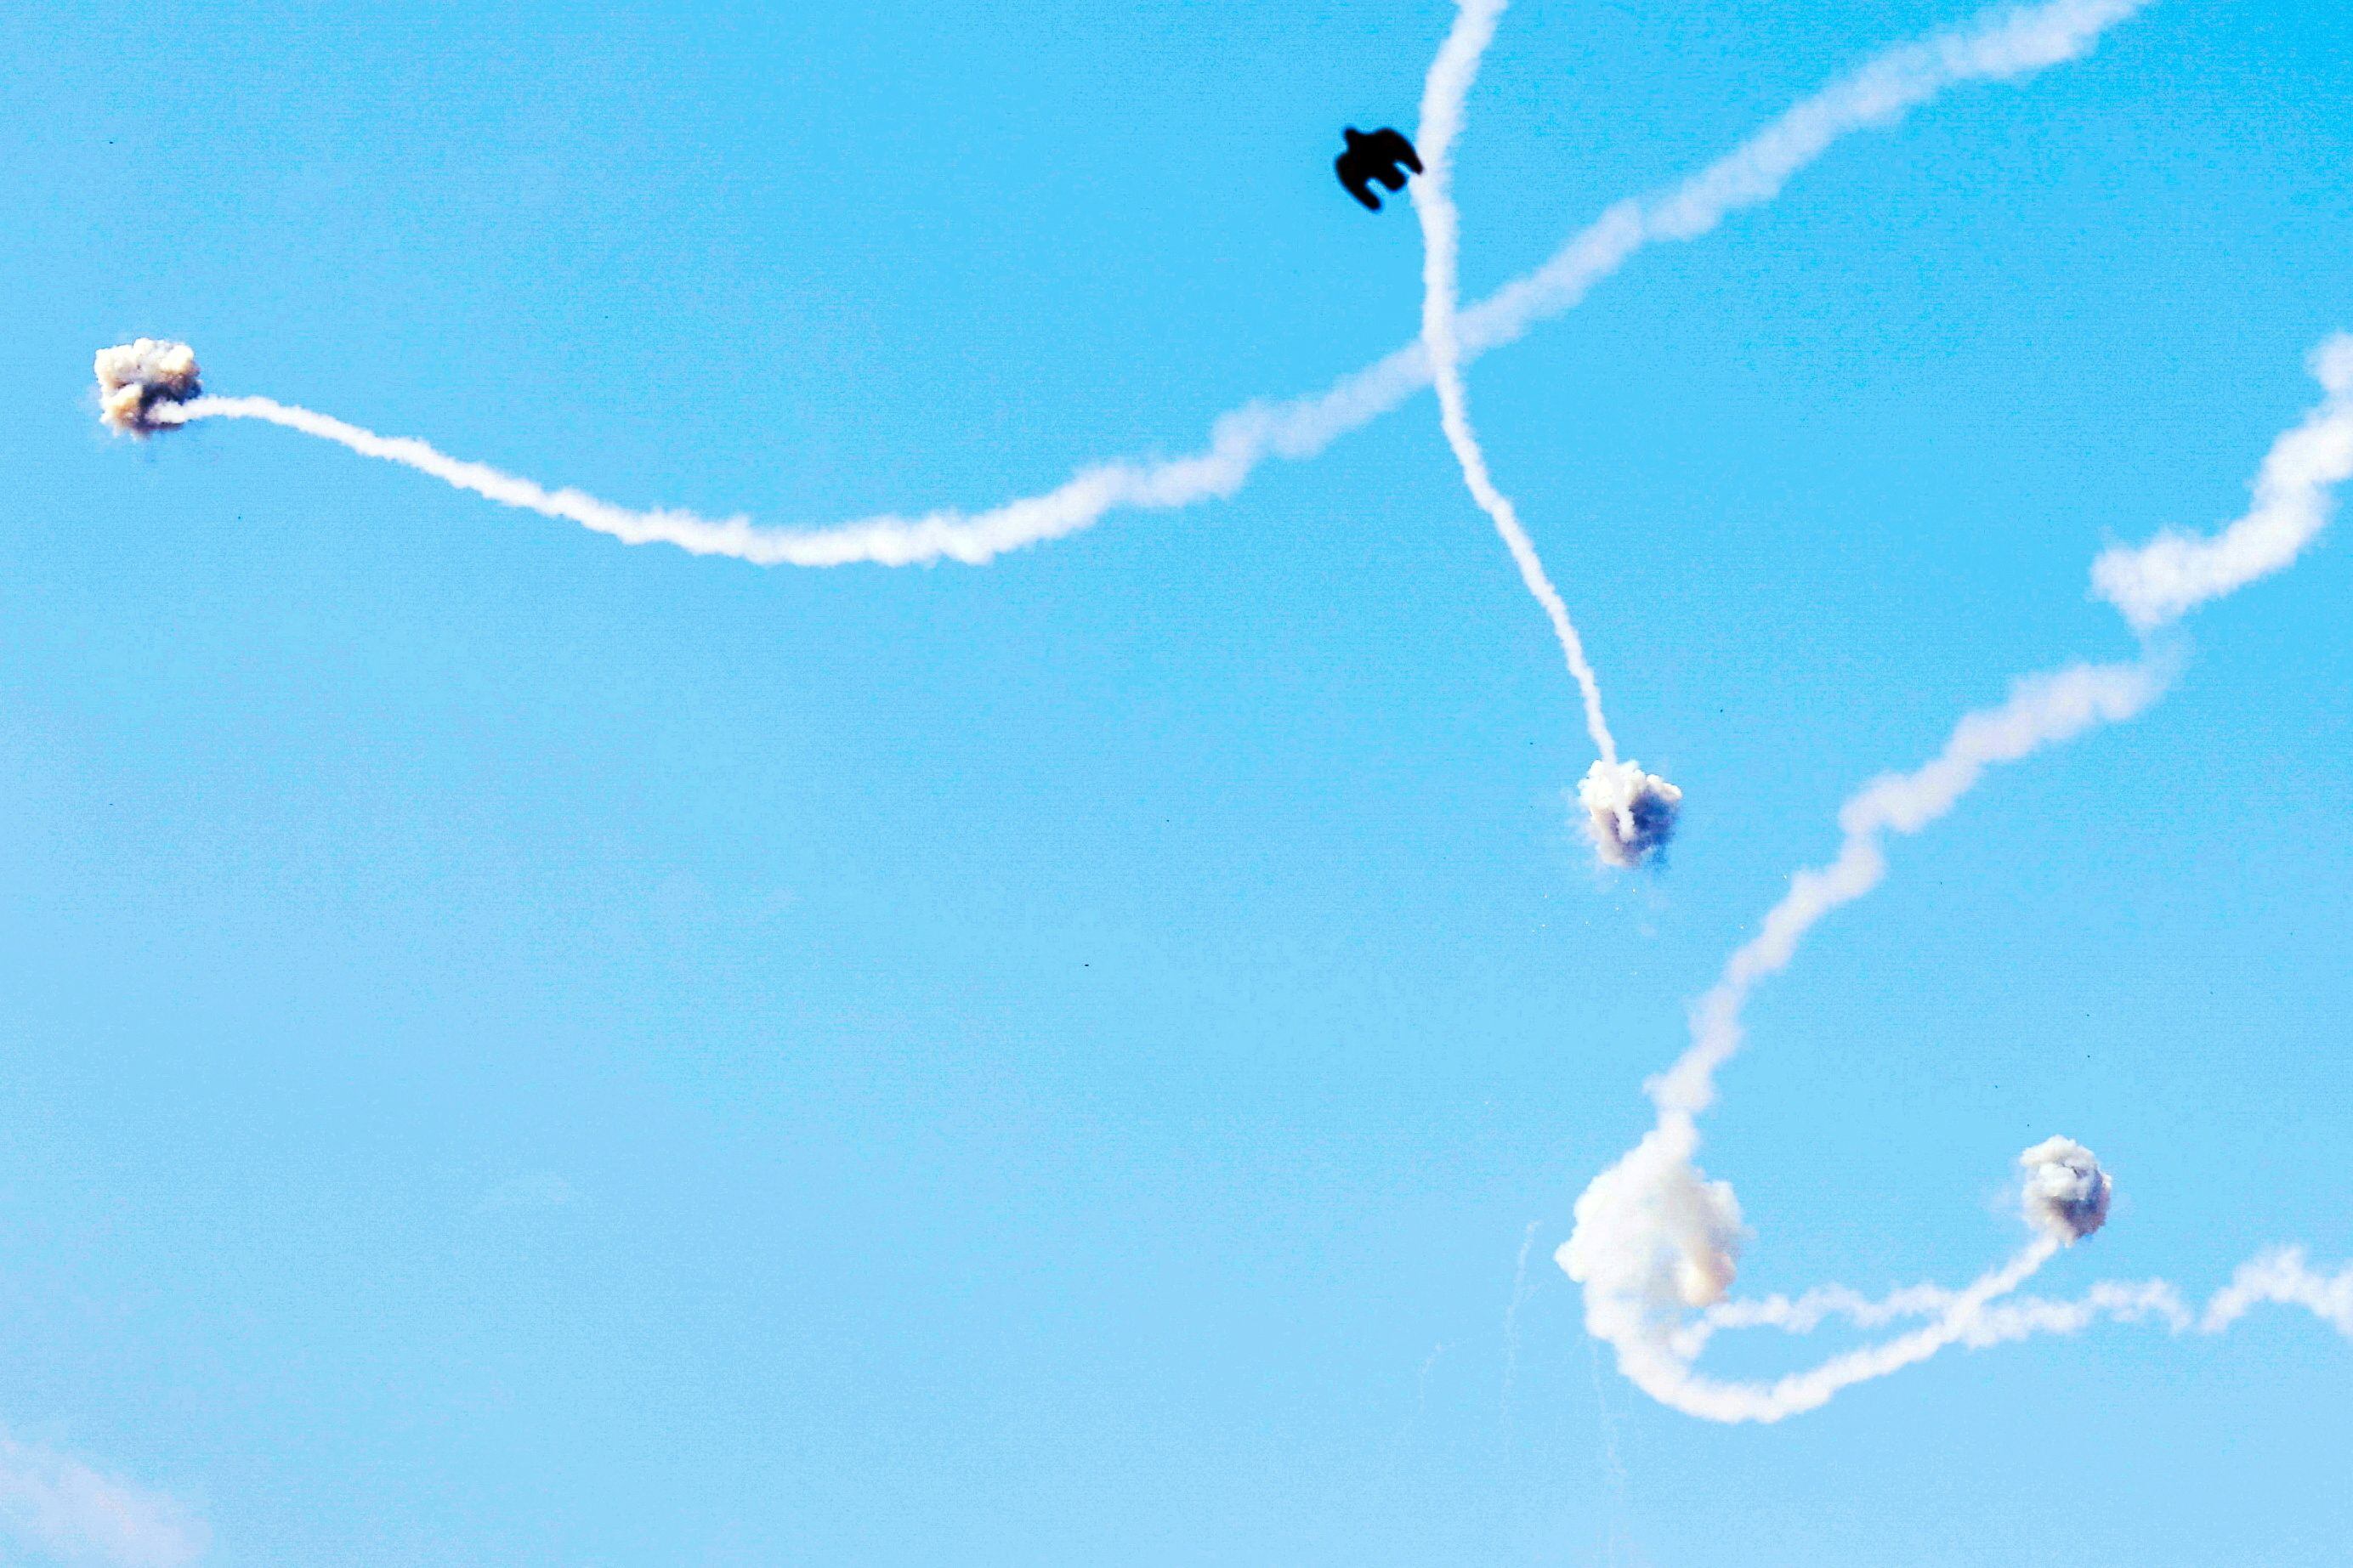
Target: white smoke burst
pixel 1657 1242
pixel 1630 815
pixel 2281 1275
pixel 2065 1193
pixel 2003 44
pixel 142 385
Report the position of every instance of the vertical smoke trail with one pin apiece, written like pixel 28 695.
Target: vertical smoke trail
pixel 2003 44
pixel 1450 76
pixel 1629 815
pixel 1655 1240
pixel 1511 1305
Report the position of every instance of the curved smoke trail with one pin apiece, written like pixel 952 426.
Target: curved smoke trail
pixel 1450 76
pixel 1629 815
pixel 1656 1241
pixel 2003 45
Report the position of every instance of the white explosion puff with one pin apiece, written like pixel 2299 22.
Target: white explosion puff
pixel 2066 1191
pixel 1629 815
pixel 134 379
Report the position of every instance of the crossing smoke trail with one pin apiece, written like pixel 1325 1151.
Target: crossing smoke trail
pixel 1656 1241
pixel 1629 815
pixel 2007 43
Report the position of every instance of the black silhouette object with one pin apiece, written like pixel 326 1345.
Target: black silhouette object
pixel 1375 157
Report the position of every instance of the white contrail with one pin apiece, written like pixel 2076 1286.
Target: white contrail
pixel 2001 45
pixel 1656 1240
pixel 2043 709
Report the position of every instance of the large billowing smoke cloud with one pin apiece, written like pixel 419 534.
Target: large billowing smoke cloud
pixel 2006 44
pixel 142 385
pixel 1656 1241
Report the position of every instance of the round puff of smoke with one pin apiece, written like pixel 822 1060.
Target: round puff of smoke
pixel 135 379
pixel 1653 1235
pixel 2066 1195
pixel 1629 815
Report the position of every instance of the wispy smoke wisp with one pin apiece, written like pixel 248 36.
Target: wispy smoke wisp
pixel 2006 44
pixel 78 1514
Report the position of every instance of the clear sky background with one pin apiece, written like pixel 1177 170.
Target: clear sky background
pixel 521 1050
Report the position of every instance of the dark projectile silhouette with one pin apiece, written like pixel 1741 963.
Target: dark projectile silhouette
pixel 1375 157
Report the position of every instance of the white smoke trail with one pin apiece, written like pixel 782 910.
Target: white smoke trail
pixel 2043 709
pixel 2281 1276
pixel 2278 1276
pixel 1520 1290
pixel 2174 573
pixel 1630 814
pixel 1450 76
pixel 2005 44
pixel 1656 1240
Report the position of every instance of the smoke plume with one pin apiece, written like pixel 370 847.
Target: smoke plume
pixel 2004 44
pixel 138 382
pixel 1629 815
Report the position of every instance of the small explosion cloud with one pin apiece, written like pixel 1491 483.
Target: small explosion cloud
pixel 137 380
pixel 2066 1191
pixel 1629 815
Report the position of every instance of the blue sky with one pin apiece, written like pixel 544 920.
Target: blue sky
pixel 527 1050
